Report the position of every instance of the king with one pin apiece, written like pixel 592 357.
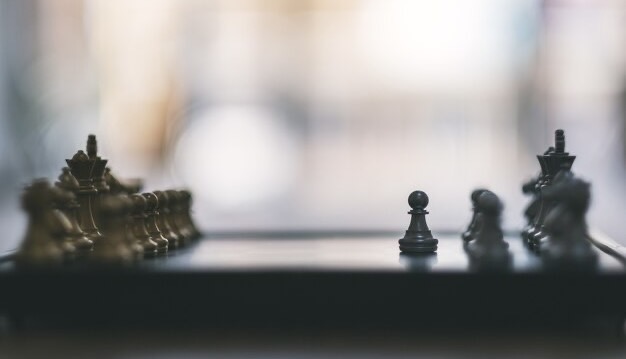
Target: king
pixel 551 164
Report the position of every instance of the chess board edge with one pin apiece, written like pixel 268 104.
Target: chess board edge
pixel 286 298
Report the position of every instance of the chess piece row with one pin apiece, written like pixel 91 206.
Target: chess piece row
pixel 90 213
pixel 565 245
pixel 484 238
pixel 556 223
pixel 556 216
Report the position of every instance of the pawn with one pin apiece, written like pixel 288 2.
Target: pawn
pixel 418 238
pixel 163 221
pixel 152 207
pixel 138 231
pixel 186 202
pixel 70 207
pixel 113 218
pixel 569 247
pixel 472 228
pixel 176 215
pixel 45 234
pixel 488 249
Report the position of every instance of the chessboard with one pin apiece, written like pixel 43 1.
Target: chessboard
pixel 97 252
pixel 330 279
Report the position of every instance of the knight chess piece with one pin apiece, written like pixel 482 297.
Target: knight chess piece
pixel 138 226
pixel 551 196
pixel 488 249
pixel 70 207
pixel 116 249
pixel 418 237
pixel 568 247
pixel 472 228
pixel 46 229
pixel 117 186
pixel 80 166
pixel 152 208
pixel 163 221
pixel 554 162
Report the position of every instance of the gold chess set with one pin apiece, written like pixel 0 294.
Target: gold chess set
pixel 89 215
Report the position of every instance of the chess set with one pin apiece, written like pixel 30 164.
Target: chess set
pixel 97 252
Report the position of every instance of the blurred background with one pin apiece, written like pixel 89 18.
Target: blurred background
pixel 316 114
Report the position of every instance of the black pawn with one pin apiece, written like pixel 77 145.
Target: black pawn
pixel 472 228
pixel 488 247
pixel 418 238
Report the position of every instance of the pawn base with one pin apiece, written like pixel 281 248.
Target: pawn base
pixel 421 243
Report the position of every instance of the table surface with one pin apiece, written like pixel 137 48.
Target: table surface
pixel 338 252
pixel 341 252
pixel 269 278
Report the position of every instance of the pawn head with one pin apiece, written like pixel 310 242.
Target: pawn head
pixel 139 203
pixel 163 198
pixel 418 199
pixel 174 197
pixel 152 201
pixel 185 195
